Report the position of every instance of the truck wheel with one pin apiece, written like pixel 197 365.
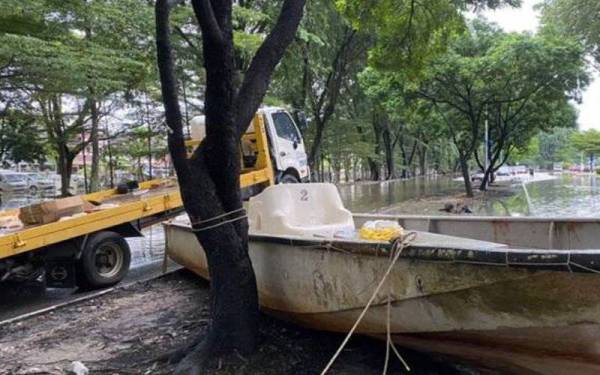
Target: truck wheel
pixel 104 261
pixel 289 178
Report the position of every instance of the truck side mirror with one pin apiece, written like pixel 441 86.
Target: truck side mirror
pixel 302 120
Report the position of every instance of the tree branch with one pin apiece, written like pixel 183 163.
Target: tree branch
pixel 189 42
pixel 258 76
pixel 169 90
pixel 208 22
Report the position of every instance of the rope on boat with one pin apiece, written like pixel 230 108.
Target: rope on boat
pixel 399 245
pixel 242 216
pixel 388 339
pixel 591 270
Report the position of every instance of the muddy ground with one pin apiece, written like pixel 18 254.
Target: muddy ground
pixel 129 330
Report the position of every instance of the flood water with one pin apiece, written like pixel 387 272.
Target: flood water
pixel 373 196
pixel 567 195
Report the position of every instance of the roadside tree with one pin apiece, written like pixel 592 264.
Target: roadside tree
pixel 519 84
pixel 210 180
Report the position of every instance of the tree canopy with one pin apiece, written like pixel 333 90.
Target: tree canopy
pixel 579 19
pixel 409 33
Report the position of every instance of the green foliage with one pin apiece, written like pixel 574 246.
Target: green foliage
pixel 310 62
pixel 20 138
pixel 575 18
pixel 410 33
pixel 527 154
pixel 555 146
pixel 345 139
pixel 71 46
pixel 547 148
pixel 587 141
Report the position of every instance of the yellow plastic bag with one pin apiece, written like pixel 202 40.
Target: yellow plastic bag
pixel 381 230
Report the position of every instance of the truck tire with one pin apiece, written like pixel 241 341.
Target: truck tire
pixel 104 261
pixel 289 178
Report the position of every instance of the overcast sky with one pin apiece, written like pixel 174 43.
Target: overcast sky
pixel 527 19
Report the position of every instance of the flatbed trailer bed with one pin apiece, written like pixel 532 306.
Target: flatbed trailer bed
pixel 153 205
pixel 63 247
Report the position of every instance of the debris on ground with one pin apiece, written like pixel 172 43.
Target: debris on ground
pixel 78 368
pixel 132 330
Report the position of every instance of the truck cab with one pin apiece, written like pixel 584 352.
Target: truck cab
pixel 286 147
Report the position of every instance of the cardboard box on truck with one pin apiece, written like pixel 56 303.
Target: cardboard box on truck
pixel 51 211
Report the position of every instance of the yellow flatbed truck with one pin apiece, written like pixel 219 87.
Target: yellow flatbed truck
pixel 90 250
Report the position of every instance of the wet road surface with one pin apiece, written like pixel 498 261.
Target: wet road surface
pixel 146 263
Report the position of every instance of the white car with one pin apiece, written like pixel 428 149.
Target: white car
pixel 39 183
pixel 13 183
pixel 477 176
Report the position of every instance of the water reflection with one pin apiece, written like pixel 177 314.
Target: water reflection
pixel 567 196
pixel 366 197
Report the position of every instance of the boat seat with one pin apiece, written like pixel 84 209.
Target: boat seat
pixel 299 210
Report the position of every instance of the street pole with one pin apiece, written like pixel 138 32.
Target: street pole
pixel 486 146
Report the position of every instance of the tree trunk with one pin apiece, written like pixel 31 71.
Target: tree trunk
pixel 110 160
pixel 150 153
pixel 389 155
pixel 322 175
pixel 65 169
pixel 422 154
pixel 95 173
pixel 464 167
pixel 347 169
pixel 210 180
pixel 315 148
pixel 373 169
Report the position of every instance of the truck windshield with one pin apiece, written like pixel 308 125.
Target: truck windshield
pixel 285 127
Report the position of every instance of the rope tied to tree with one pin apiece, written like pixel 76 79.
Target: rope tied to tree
pixel 398 246
pixel 201 225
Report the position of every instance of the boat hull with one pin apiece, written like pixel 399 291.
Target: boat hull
pixel 509 318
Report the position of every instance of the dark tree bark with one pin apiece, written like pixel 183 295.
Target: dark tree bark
pixel 374 165
pixel 422 156
pixel 94 139
pixel 464 168
pixel 324 104
pixel 374 173
pixel 210 180
pixel 407 157
pixel 65 169
pixel 388 146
